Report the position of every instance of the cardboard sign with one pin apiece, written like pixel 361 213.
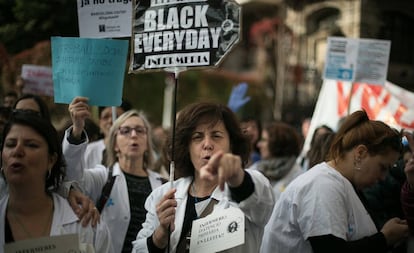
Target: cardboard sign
pixel 183 33
pixel 93 68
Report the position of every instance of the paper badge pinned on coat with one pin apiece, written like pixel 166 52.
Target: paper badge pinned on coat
pixel 221 230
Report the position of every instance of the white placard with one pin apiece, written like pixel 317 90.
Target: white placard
pixel 52 244
pixel 357 60
pixel 221 230
pixel 37 80
pixel 105 18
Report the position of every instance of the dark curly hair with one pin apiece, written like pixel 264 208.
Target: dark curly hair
pixel 192 116
pixel 45 128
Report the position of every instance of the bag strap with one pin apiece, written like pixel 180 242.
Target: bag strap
pixel 106 191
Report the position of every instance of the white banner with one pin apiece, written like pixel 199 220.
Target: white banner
pixel 389 103
pixel 105 18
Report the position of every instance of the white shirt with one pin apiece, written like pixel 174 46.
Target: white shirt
pixel 256 208
pixel 66 222
pixel 319 202
pixel 116 213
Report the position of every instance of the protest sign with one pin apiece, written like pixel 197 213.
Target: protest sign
pixel 37 80
pixel 357 60
pixel 93 68
pixel 104 18
pixel 223 229
pixel 183 33
pixel 52 244
pixel 389 103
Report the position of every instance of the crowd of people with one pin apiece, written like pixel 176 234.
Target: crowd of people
pixel 353 191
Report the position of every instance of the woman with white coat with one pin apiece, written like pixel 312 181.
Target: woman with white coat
pixel 211 152
pixel 130 157
pixel 33 167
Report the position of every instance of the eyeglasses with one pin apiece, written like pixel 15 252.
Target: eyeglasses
pixel 127 131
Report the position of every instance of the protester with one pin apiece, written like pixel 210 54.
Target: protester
pixel 33 103
pixel 407 191
pixel 159 139
pixel 319 148
pixel 252 128
pixel 320 210
pixel 5 113
pixel 9 99
pixel 304 158
pixel 33 166
pixel 95 152
pixel 85 209
pixel 279 147
pixel 304 127
pixel 130 158
pixel 210 154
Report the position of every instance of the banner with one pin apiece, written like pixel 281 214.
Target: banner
pixel 389 103
pixel 37 80
pixel 93 68
pixel 104 18
pixel 183 33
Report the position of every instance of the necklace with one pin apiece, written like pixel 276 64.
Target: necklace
pixel 23 227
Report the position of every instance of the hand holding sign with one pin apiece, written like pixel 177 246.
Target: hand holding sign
pixel 79 111
pixel 166 215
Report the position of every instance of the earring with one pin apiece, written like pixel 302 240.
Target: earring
pixel 49 172
pixel 356 163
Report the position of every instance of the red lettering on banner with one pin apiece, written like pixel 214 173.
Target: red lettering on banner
pixel 343 100
pixel 399 113
pixel 373 91
pixel 375 100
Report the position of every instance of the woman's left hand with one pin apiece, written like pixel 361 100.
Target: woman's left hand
pixel 84 208
pixel 223 167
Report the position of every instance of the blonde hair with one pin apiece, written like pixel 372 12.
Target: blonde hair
pixel 148 155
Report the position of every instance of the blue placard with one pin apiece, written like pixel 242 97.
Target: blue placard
pixel 92 68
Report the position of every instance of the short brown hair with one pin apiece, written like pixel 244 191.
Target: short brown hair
pixel 192 116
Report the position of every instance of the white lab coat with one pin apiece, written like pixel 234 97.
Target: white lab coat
pixel 3 187
pixel 93 153
pixel 257 209
pixel 116 212
pixel 66 222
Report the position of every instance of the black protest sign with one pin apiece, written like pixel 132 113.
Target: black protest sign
pixel 182 33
